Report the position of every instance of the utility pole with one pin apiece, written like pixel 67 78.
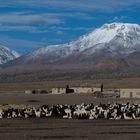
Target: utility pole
pixel 102 87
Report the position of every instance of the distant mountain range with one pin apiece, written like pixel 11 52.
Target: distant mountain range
pixel 111 48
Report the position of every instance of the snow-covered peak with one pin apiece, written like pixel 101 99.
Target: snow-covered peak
pixel 105 34
pixel 117 38
pixel 7 54
pixel 123 26
pixel 101 35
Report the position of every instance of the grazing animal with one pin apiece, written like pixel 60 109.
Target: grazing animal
pixel 38 113
pixel 102 111
pixel 68 114
pixel 1 113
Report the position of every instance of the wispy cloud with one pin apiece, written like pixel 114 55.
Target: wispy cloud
pixel 19 18
pixel 33 22
pixel 73 4
pixel 119 19
pixel 25 28
pixel 65 29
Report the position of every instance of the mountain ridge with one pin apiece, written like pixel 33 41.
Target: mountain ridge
pixel 111 48
pixel 117 38
pixel 7 54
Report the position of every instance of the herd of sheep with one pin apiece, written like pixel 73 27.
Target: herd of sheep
pixel 83 111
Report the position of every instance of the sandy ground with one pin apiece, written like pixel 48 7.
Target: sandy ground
pixel 31 99
pixel 56 129
pixel 52 129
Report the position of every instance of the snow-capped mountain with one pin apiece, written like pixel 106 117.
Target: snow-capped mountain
pixel 7 54
pixel 116 39
pixel 111 48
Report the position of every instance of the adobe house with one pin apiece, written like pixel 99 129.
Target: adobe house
pixel 74 90
pixel 58 90
pixel 85 89
pixel 130 93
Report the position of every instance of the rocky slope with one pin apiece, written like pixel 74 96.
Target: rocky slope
pixel 7 54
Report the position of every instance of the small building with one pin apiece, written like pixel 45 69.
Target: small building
pixel 85 89
pixel 130 93
pixel 28 91
pixel 74 90
pixel 111 93
pixel 36 91
pixel 58 90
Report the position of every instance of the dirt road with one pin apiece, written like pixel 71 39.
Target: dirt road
pixel 55 129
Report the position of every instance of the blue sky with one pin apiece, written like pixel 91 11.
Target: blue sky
pixel 26 25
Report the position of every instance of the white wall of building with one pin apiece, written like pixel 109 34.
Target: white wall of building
pixel 129 93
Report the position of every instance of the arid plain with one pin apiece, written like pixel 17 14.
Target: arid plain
pixel 56 129
pixel 12 94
